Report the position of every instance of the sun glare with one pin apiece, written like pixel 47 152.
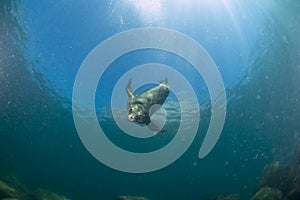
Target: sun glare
pixel 150 11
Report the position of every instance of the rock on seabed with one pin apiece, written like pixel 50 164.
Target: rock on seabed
pixel 267 193
pixel 16 191
pixel 131 198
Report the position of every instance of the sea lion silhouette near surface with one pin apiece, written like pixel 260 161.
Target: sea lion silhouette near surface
pixel 142 106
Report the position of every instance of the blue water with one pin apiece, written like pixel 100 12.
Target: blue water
pixel 254 44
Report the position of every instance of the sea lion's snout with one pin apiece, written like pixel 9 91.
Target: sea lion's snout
pixel 131 118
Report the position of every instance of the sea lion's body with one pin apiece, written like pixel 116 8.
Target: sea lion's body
pixel 142 106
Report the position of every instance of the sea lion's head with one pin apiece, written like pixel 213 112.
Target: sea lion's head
pixel 136 114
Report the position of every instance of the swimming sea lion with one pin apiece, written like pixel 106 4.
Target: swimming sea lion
pixel 142 106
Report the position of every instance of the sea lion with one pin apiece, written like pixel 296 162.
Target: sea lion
pixel 142 106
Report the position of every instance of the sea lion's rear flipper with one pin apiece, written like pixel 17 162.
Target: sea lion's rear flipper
pixel 129 90
pixel 164 81
pixel 155 128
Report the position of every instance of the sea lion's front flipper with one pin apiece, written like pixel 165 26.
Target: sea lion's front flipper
pixel 129 90
pixel 155 128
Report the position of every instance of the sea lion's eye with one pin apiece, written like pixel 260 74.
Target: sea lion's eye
pixel 140 116
pixel 130 110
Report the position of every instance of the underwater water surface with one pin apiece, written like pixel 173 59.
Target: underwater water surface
pixel 254 45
